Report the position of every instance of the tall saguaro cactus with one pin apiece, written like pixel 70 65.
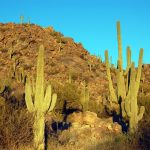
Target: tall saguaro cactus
pixel 128 83
pixel 38 102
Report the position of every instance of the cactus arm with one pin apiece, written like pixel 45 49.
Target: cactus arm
pixel 123 112
pixel 128 60
pixel 119 44
pixel 141 113
pixel 28 97
pixel 121 85
pixel 53 102
pixel 47 99
pixel 39 92
pixel 111 89
pixel 128 57
pixel 33 84
pixel 127 108
pixel 138 77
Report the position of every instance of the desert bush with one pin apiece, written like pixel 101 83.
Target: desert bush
pixel 68 96
pixel 98 108
pixel 15 128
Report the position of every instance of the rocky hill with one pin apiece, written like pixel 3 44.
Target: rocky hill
pixel 68 66
pixel 63 57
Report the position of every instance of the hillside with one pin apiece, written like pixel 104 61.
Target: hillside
pixel 64 60
pixel 62 56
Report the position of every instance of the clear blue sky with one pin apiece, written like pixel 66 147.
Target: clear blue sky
pixel 91 22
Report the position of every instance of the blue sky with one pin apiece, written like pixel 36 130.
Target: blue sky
pixel 91 22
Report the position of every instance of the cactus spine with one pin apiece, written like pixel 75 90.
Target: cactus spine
pixel 41 104
pixel 128 83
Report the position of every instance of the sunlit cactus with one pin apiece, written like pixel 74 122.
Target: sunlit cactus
pixel 39 102
pixel 128 82
pixel 113 96
pixel 84 99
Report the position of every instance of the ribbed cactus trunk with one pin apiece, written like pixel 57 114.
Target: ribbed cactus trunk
pixel 133 118
pixel 38 128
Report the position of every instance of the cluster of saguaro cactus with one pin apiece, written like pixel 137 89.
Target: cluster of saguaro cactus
pixel 39 103
pixel 84 99
pixel 128 82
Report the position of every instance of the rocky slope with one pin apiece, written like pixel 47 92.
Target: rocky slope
pixel 19 45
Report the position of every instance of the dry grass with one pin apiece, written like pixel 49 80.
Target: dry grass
pixel 109 142
pixel 15 128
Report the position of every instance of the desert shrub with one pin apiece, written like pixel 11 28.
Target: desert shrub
pixel 15 128
pixel 98 108
pixel 68 96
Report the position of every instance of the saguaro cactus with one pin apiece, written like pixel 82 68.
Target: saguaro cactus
pixel 128 83
pixel 21 19
pixel 84 99
pixel 39 103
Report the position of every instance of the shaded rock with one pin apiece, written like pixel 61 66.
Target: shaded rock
pixel 88 128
